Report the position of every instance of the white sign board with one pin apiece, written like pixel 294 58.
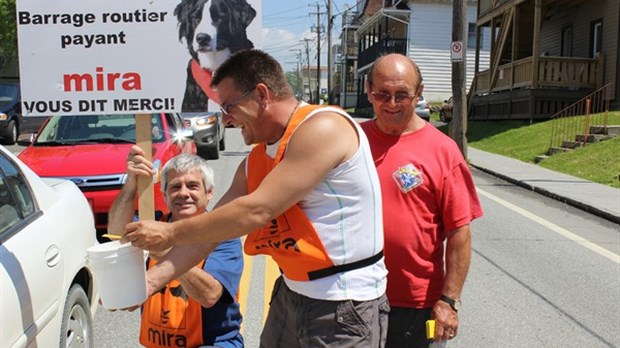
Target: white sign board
pixel 456 51
pixel 118 56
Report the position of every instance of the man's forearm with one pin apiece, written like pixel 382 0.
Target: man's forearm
pixel 122 210
pixel 176 262
pixel 201 286
pixel 458 259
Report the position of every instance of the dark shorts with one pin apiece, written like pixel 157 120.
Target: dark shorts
pixel 407 328
pixel 295 320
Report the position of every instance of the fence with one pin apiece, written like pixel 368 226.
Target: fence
pixel 572 125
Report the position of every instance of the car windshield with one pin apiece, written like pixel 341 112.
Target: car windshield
pixel 67 130
pixel 8 94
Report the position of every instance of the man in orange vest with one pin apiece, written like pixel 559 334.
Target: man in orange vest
pixel 199 308
pixel 308 195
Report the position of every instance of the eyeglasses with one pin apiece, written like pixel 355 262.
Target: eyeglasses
pixel 399 97
pixel 225 108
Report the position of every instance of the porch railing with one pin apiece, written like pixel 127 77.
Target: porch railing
pixel 369 55
pixel 573 124
pixel 566 72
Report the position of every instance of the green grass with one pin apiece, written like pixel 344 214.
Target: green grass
pixel 599 162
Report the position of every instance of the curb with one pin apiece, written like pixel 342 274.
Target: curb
pixel 577 204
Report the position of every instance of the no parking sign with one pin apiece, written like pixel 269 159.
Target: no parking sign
pixel 456 51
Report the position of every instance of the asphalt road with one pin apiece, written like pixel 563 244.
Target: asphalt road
pixel 543 274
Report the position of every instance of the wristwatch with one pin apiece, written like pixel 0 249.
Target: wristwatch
pixel 455 304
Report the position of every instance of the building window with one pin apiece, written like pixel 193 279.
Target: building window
pixel 471 36
pixel 596 37
pixel 567 42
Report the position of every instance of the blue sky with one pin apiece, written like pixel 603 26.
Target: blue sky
pixel 287 23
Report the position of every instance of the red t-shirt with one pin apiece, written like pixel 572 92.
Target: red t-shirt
pixel 427 190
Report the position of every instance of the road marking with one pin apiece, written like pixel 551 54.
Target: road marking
pixel 272 272
pixel 553 227
pixel 244 284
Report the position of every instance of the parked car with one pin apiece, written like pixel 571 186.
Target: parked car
pixel 12 123
pixel 445 114
pixel 422 109
pixel 48 294
pixel 91 151
pixel 209 133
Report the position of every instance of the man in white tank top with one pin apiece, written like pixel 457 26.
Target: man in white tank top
pixel 318 162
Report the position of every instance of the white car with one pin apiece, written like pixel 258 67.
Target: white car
pixel 48 297
pixel 422 109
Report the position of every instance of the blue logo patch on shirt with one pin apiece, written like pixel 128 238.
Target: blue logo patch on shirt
pixel 408 177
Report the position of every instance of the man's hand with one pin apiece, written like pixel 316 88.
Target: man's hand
pixel 137 164
pixel 446 321
pixel 149 235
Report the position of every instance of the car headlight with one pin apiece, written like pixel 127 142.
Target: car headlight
pixel 205 121
pixel 3 116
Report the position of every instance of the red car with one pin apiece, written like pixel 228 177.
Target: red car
pixel 92 150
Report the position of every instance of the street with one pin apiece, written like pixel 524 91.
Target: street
pixel 543 274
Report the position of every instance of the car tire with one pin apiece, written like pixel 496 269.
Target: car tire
pixel 77 323
pixel 12 133
pixel 214 152
pixel 223 142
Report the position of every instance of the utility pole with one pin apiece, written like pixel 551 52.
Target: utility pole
pixel 318 52
pixel 308 67
pixel 330 63
pixel 300 82
pixel 458 126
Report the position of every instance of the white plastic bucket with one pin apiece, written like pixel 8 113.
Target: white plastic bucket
pixel 120 274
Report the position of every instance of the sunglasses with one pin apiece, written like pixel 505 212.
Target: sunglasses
pixel 225 108
pixel 399 97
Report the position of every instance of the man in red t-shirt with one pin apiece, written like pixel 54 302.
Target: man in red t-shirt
pixel 428 198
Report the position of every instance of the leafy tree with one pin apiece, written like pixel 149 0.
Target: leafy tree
pixel 8 32
pixel 295 82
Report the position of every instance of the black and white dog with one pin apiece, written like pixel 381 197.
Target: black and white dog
pixel 213 30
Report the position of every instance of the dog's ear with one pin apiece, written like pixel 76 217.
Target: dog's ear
pixel 183 12
pixel 245 13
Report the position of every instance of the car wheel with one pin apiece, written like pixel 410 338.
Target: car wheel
pixel 214 152
pixel 77 323
pixel 12 132
pixel 222 142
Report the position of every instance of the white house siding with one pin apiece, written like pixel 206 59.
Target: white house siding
pixel 430 35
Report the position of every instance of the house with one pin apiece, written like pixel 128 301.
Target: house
pixel 422 30
pixel 545 55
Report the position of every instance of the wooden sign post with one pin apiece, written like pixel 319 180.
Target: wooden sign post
pixel 146 203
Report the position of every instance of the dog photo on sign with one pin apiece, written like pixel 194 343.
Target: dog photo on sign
pixel 213 30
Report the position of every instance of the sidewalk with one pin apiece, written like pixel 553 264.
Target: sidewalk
pixel 600 200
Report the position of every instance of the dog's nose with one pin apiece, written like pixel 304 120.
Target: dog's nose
pixel 204 40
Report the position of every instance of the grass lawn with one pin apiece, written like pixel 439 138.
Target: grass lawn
pixel 599 162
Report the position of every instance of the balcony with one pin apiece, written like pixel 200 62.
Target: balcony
pixel 371 53
pixel 527 90
pixel 552 72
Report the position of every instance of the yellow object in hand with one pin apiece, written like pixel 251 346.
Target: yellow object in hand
pixel 430 329
pixel 112 236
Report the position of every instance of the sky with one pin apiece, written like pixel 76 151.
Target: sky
pixel 287 23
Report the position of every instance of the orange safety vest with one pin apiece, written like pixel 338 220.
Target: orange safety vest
pixel 170 318
pixel 291 239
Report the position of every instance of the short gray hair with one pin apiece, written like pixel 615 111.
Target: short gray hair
pixel 185 163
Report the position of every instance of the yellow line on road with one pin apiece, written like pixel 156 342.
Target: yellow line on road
pixel 244 284
pixel 272 272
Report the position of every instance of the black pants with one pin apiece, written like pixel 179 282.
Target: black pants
pixel 407 328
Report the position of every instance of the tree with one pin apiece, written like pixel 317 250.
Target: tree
pixel 8 32
pixel 293 79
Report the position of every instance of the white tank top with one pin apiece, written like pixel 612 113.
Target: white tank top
pixel 345 209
